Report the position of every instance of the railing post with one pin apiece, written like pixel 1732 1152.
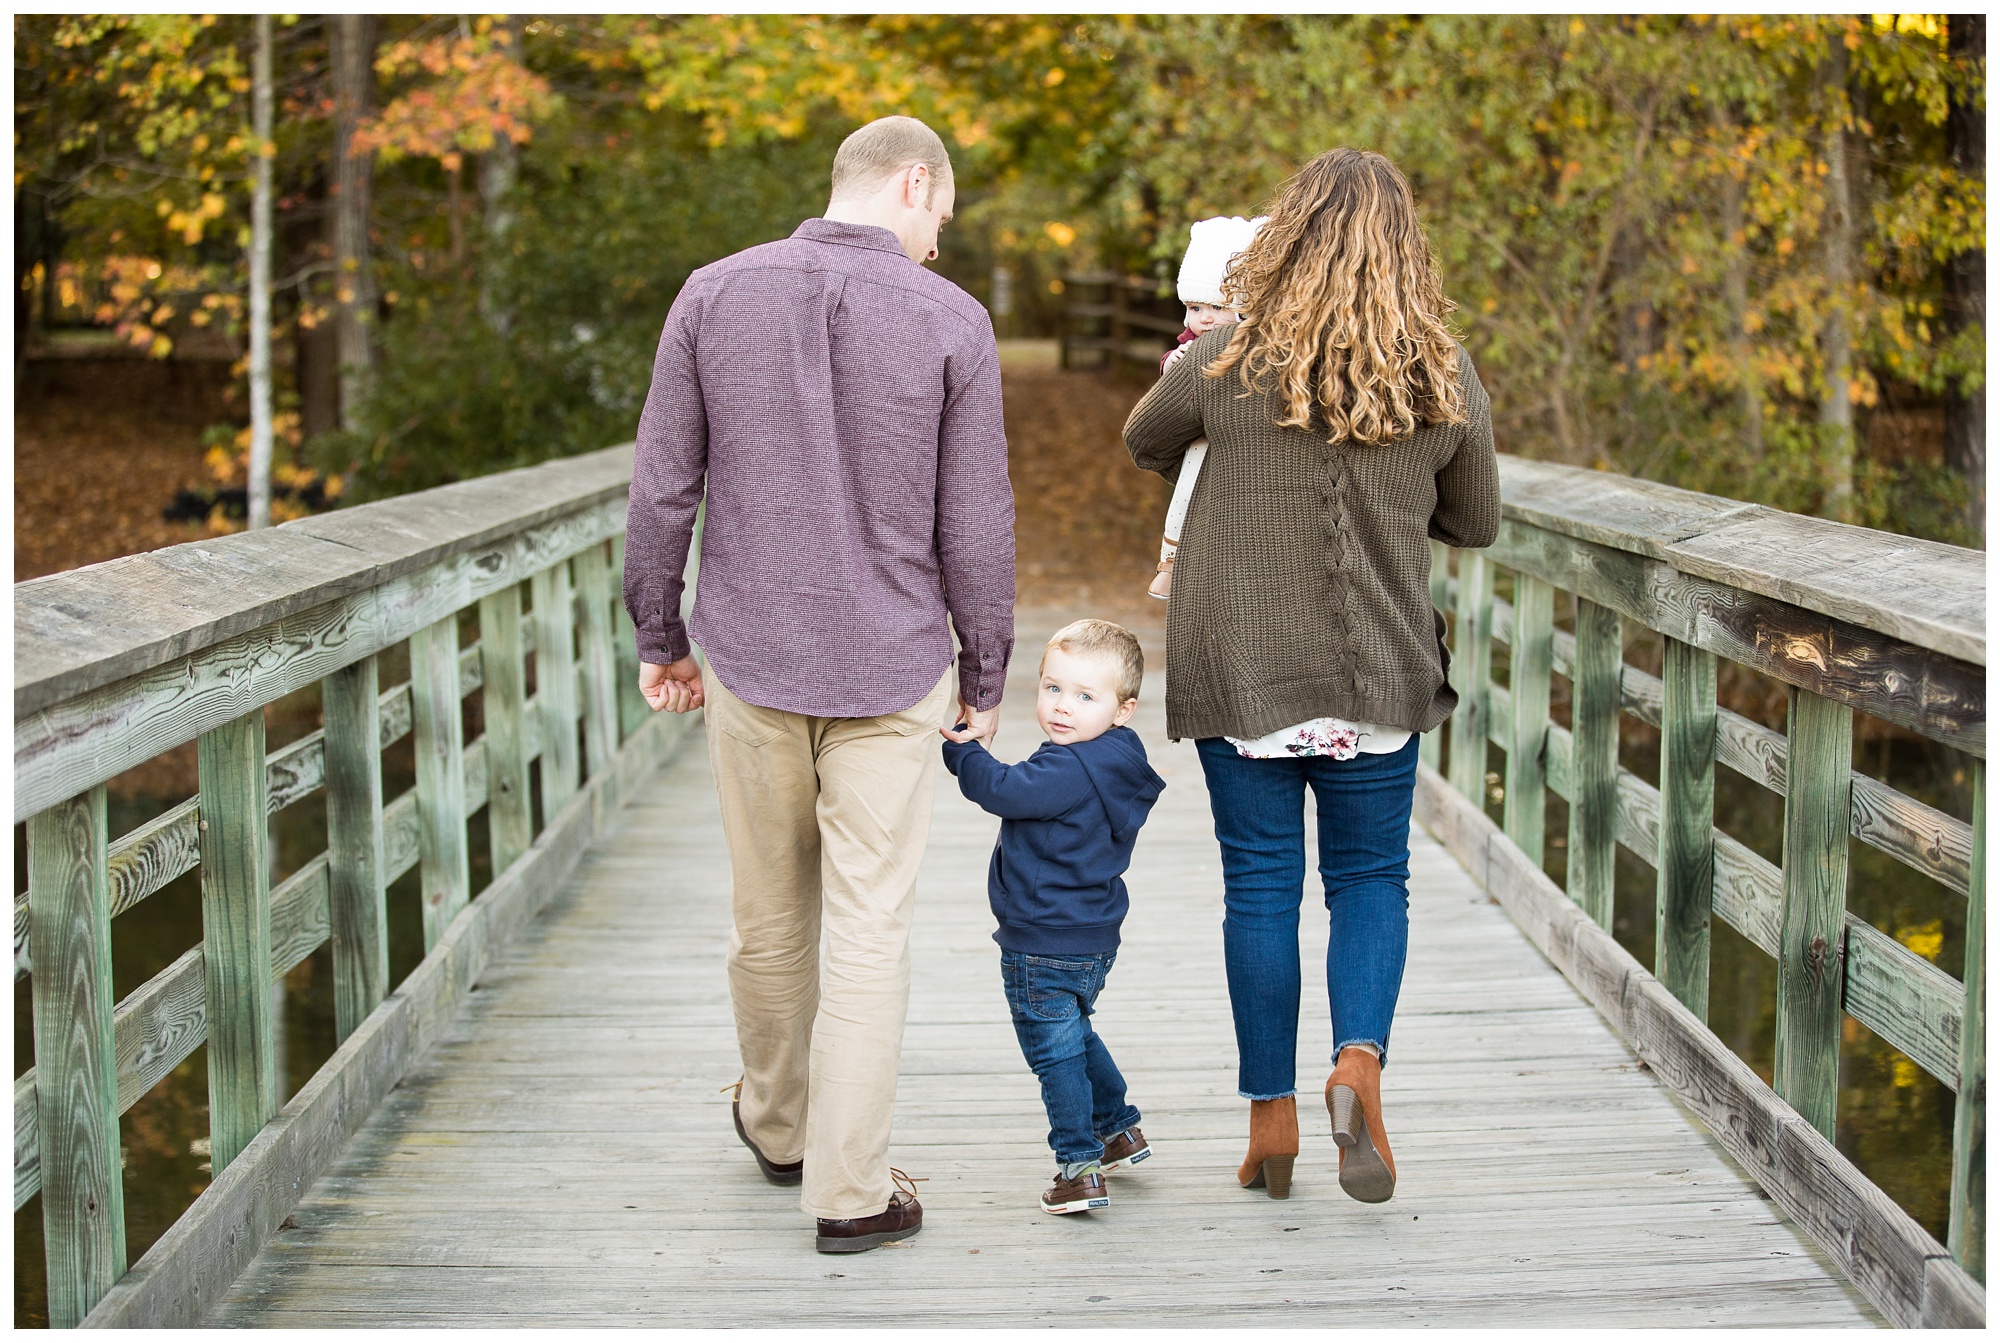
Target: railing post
pixel 1967 1234
pixel 236 936
pixel 555 685
pixel 600 689
pixel 1820 748
pixel 1524 805
pixel 510 813
pixel 1593 808
pixel 632 710
pixel 358 910
pixel 440 742
pixel 1686 868
pixel 1472 672
pixel 1430 747
pixel 76 1057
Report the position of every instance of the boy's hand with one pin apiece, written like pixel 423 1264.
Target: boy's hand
pixel 970 724
pixel 676 687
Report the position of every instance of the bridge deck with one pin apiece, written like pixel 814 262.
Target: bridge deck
pixel 564 1157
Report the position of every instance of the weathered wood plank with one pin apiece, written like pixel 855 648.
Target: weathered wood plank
pixel 1472 673
pixel 1820 740
pixel 593 637
pixel 1928 692
pixel 192 1265
pixel 510 815
pixel 87 628
pixel 236 936
pixel 1686 862
pixel 1431 749
pixel 1528 687
pixel 1860 576
pixel 1903 998
pixel 1967 1232
pixel 555 683
pixel 351 704
pixel 27 1151
pixel 1879 1246
pixel 434 686
pixel 76 1088
pixel 1594 696
pixel 63 747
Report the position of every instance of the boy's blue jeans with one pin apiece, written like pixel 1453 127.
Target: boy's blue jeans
pixel 1050 998
pixel 1364 867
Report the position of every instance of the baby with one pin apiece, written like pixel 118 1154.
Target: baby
pixel 1213 244
pixel 1069 816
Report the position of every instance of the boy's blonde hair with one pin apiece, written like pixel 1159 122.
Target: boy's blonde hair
pixel 1101 638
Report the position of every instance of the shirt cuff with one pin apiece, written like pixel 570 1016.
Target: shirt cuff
pixel 662 647
pixel 982 672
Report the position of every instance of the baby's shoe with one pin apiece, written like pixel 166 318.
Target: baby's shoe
pixel 1080 1192
pixel 1125 1150
pixel 1163 581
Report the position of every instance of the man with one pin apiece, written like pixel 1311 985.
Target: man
pixel 841 404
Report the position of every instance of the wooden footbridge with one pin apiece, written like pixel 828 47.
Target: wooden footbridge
pixel 527 1128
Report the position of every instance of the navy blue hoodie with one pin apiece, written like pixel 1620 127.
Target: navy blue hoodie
pixel 1069 816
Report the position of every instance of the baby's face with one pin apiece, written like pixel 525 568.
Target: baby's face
pixel 1078 699
pixel 1207 316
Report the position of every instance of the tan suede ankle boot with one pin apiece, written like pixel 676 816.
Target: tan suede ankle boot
pixel 1274 1145
pixel 1354 1100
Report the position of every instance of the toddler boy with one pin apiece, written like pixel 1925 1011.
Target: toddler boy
pixel 1069 815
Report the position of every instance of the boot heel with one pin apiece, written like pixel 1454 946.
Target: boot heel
pixel 1345 1107
pixel 1276 1176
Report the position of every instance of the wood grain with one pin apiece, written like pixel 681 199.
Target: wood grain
pixel 1593 669
pixel 1528 722
pixel 76 1089
pixel 357 883
pixel 236 937
pixel 1967 1232
pixel 1686 860
pixel 510 818
pixel 1472 673
pixel 440 729
pixel 555 683
pixel 1820 742
pixel 599 690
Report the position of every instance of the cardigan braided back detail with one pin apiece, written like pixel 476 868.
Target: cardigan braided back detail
pixel 1302 585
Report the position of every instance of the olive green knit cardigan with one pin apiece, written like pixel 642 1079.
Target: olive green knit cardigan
pixel 1301 589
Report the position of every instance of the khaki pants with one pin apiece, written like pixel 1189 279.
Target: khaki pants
pixel 826 820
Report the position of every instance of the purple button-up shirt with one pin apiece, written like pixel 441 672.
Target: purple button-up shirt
pixel 842 405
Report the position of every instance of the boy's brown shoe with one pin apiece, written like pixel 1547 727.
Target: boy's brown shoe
pixel 1125 1150
pixel 1081 1194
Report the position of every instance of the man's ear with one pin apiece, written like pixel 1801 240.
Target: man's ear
pixel 1125 712
pixel 914 179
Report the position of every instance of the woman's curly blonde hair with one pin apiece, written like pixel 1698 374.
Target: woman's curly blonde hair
pixel 1342 304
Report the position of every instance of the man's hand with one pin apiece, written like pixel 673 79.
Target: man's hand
pixel 979 723
pixel 675 687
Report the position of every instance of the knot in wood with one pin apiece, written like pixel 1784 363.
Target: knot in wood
pixel 1816 958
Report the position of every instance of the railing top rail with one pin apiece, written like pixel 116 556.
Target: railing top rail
pixel 89 627
pixel 1922 592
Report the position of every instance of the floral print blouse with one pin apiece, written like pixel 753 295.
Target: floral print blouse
pixel 1323 736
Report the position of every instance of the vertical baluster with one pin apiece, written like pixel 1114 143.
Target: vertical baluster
pixel 1525 805
pixel 1967 1235
pixel 358 909
pixel 76 1060
pixel 600 688
pixel 440 741
pixel 1472 671
pixel 555 685
pixel 510 820
pixel 1593 716
pixel 236 936
pixel 632 708
pixel 1686 869
pixel 1820 747
pixel 1428 749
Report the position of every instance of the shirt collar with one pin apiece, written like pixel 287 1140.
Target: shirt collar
pixel 867 236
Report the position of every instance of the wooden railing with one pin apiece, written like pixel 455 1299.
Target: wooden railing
pixel 121 661
pixel 1850 621
pixel 1107 324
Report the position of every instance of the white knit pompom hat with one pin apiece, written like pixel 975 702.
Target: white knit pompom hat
pixel 1212 245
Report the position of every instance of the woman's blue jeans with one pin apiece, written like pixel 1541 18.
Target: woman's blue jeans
pixel 1364 864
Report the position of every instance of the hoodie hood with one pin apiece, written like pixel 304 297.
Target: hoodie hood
pixel 1126 784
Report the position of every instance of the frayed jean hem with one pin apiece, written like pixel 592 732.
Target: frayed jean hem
pixel 1277 1096
pixel 1381 1053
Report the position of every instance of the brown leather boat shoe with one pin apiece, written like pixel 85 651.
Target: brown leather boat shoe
pixel 1124 1150
pixel 1084 1193
pixel 777 1172
pixel 850 1235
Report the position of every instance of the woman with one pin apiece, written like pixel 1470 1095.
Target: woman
pixel 1345 426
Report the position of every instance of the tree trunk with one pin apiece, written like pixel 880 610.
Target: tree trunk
pixel 351 38
pixel 1736 293
pixel 1965 274
pixel 498 169
pixel 260 280
pixel 1836 410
